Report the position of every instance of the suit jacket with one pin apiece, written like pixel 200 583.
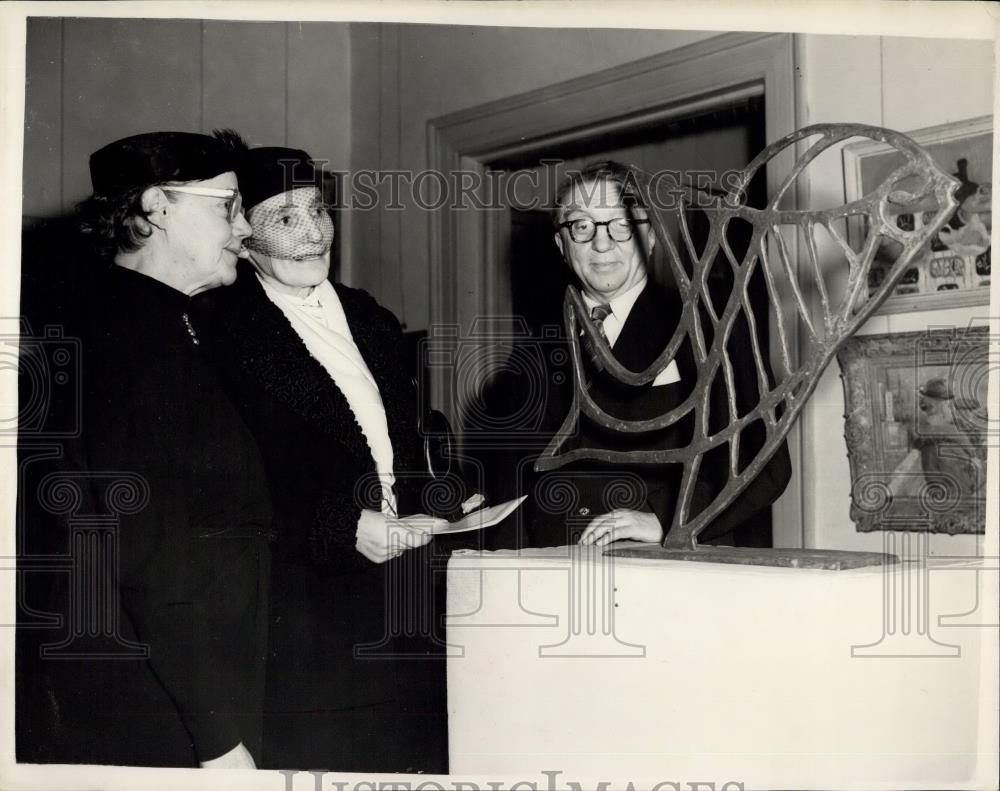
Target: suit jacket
pixel 326 708
pixel 566 500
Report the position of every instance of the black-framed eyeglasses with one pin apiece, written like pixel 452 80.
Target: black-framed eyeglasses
pixel 233 199
pixel 584 230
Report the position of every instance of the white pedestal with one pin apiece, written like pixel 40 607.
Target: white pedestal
pixel 678 672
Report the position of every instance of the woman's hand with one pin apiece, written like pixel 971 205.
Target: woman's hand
pixel 237 758
pixel 620 524
pixel 381 538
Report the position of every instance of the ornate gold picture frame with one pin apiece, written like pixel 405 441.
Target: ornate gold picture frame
pixel 955 271
pixel 917 429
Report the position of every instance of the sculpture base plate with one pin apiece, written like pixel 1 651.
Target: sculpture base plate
pixel 831 559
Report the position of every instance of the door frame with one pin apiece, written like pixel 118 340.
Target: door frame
pixel 466 269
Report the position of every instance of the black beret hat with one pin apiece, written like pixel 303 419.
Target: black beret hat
pixel 271 170
pixel 155 158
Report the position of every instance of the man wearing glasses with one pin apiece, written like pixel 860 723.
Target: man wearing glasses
pixel 603 230
pixel 172 671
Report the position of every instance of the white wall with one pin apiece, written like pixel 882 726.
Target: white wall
pixel 92 81
pixel 406 75
pixel 902 84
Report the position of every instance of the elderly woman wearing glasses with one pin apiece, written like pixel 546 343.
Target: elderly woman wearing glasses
pixel 317 371
pixel 168 465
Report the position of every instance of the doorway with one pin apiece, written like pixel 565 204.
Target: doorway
pixel 469 250
pixel 698 149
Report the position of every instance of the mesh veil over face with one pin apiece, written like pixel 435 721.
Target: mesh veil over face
pixel 293 225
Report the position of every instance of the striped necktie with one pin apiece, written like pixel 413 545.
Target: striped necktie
pixel 598 314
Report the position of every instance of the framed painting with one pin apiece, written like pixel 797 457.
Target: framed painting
pixel 955 270
pixel 917 429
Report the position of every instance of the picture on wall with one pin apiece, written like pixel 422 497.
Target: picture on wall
pixel 955 270
pixel 916 429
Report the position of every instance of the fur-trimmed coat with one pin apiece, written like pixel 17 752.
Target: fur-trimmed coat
pixel 320 466
pixel 327 709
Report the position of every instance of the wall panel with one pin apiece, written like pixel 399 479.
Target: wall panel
pixel 91 81
pixel 319 91
pixel 444 69
pixel 43 119
pixel 363 258
pixel 123 77
pixel 903 84
pixel 926 82
pixel 243 74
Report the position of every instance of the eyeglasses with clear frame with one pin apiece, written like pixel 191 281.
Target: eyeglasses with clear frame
pixel 234 201
pixel 584 229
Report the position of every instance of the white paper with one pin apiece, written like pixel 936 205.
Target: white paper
pixel 484 517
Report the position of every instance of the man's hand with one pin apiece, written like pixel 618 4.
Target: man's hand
pixel 237 758
pixel 621 524
pixel 381 538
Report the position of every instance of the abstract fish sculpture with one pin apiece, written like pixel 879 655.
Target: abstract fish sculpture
pixel 825 316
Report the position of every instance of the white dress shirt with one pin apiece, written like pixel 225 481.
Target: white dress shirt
pixel 621 306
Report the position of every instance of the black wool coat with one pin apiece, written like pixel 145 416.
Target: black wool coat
pixel 328 707
pixel 162 457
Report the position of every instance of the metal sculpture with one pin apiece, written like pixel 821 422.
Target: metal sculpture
pixel 928 190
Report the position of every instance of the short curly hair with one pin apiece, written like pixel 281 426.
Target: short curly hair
pixel 116 224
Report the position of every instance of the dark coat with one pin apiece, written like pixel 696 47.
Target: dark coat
pixel 190 565
pixel 598 488
pixel 327 708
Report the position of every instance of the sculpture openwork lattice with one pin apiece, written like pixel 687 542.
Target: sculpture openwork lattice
pixel 827 314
